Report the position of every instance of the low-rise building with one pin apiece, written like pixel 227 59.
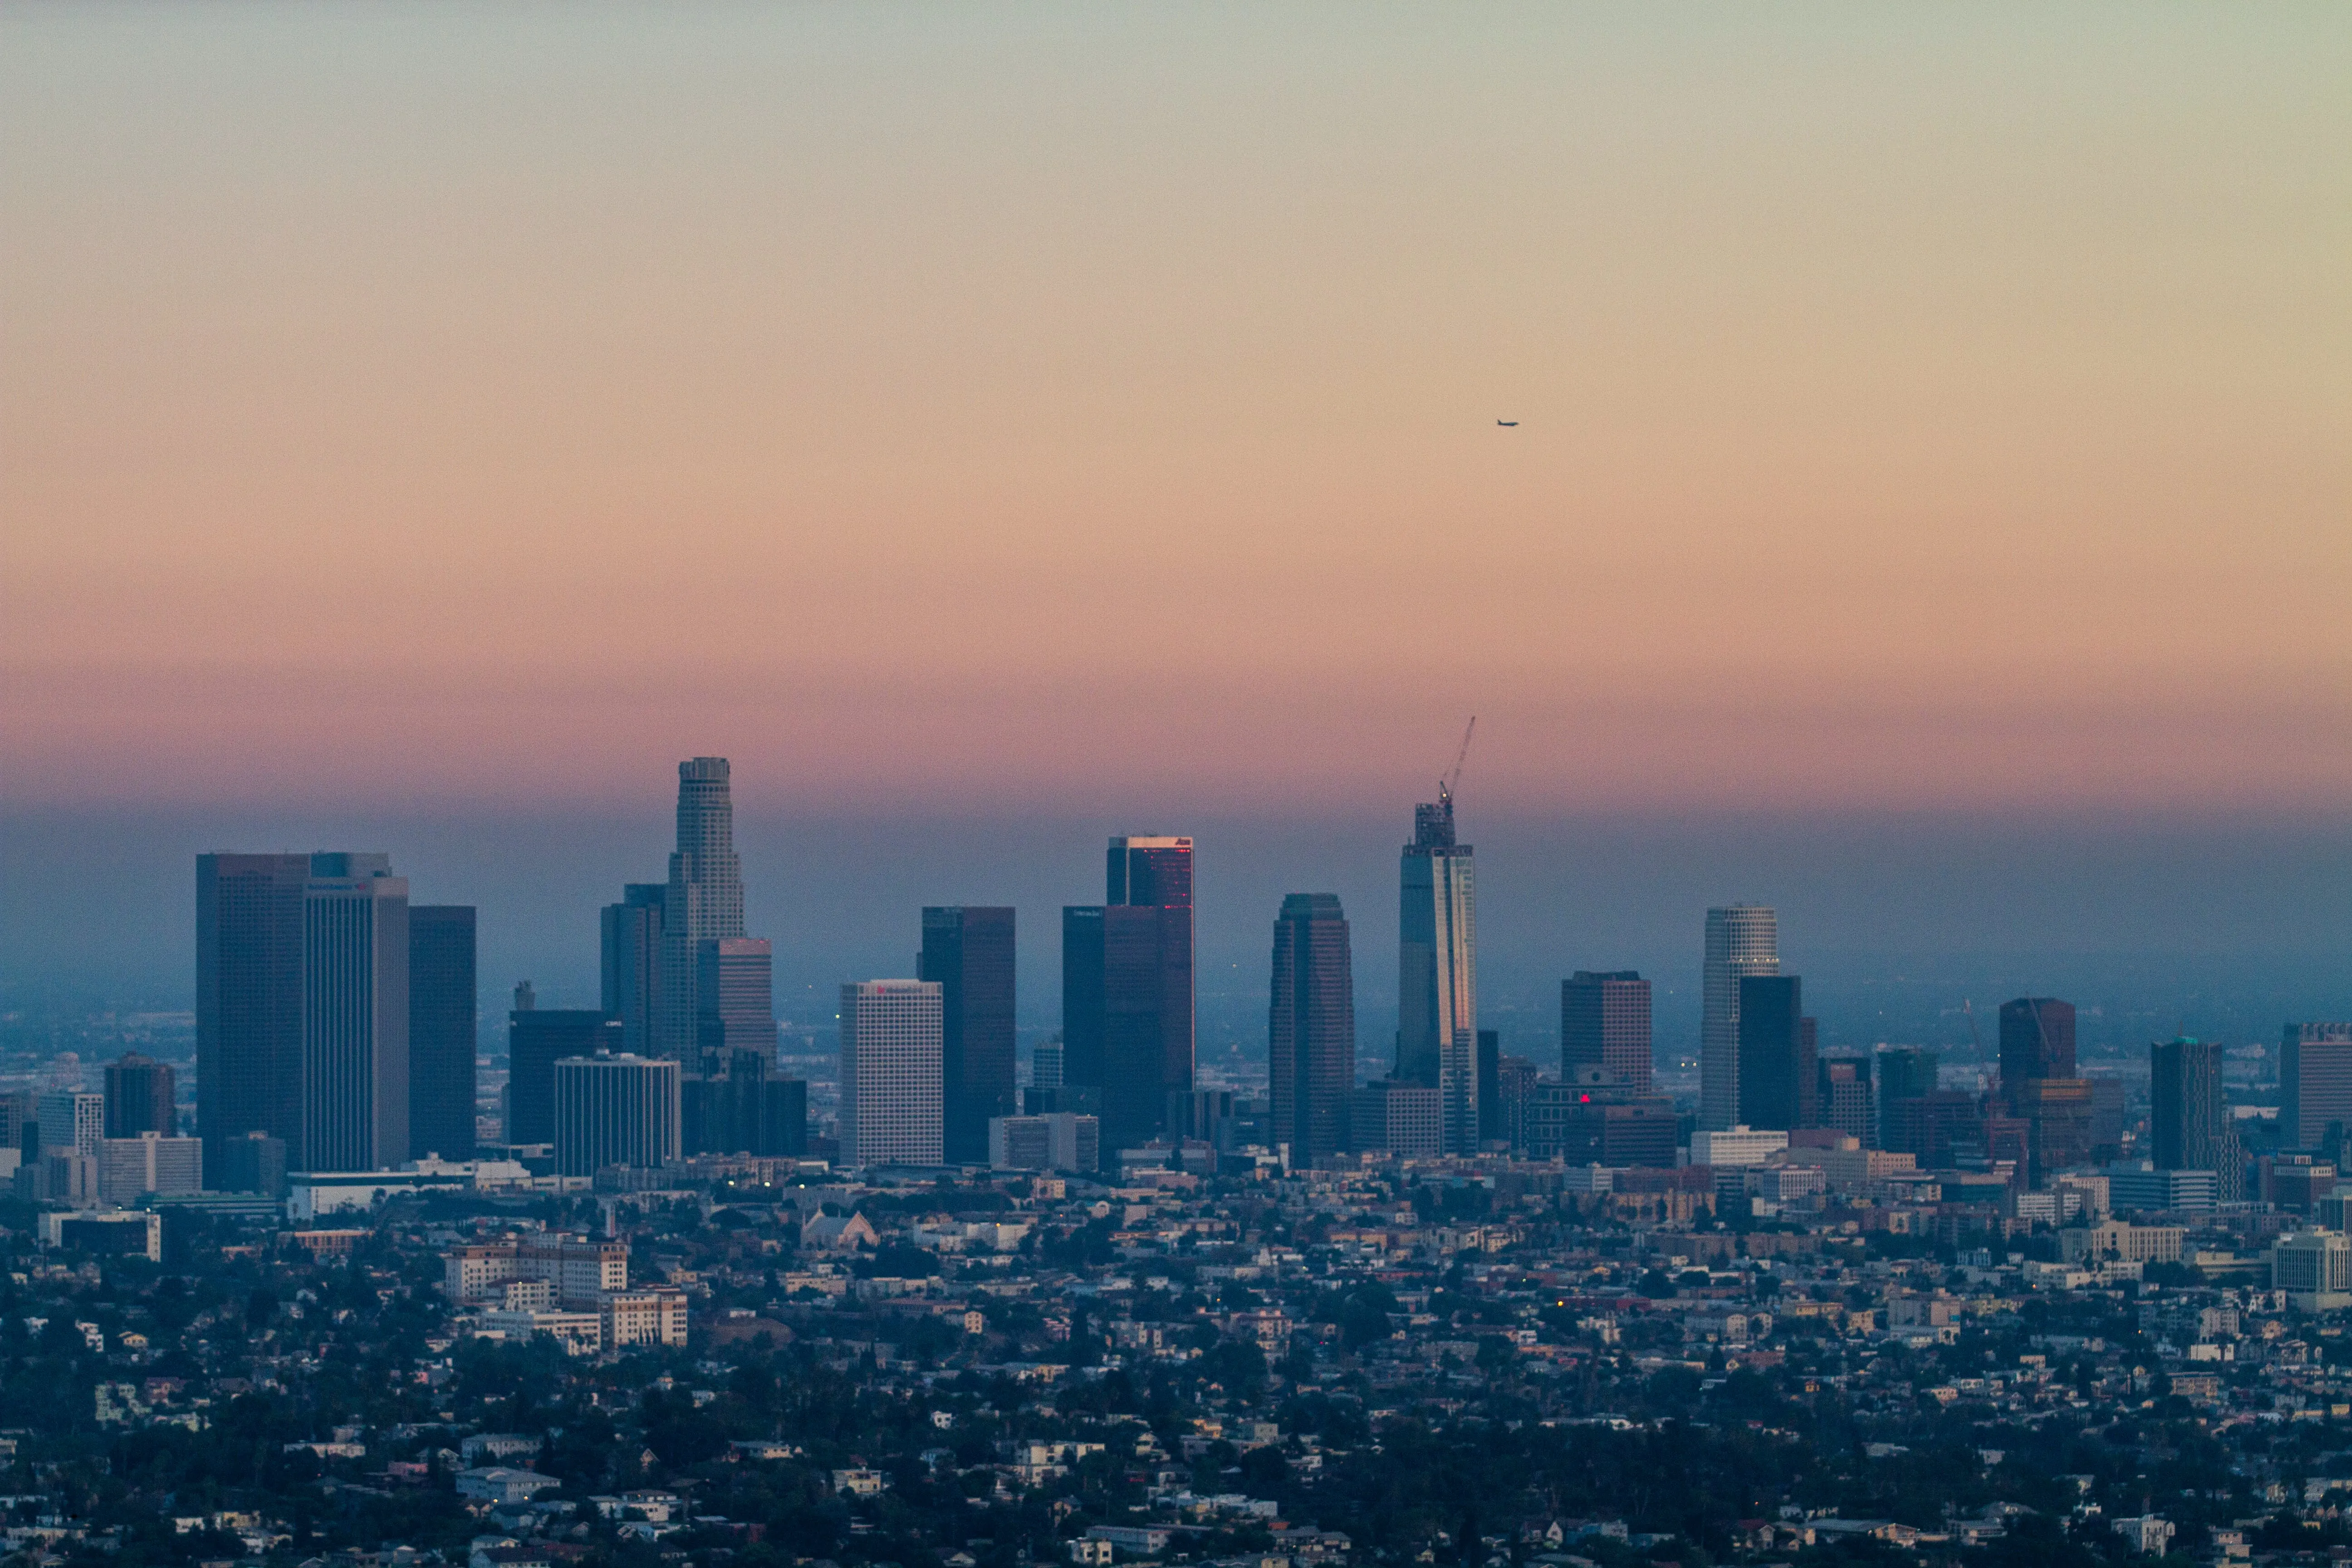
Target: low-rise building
pixel 499 1484
pixel 128 1233
pixel 2147 1534
pixel 2122 1242
pixel 2315 1268
pixel 655 1315
pixel 1737 1146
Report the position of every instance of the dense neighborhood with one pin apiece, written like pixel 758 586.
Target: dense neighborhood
pixel 1479 1360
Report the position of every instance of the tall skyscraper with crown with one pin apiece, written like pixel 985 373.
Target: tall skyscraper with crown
pixel 704 901
pixel 1742 941
pixel 1437 971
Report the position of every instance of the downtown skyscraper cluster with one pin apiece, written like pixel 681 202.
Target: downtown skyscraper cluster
pixel 338 1020
pixel 336 1024
pixel 336 1032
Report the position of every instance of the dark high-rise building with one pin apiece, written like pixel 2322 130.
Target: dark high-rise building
pixel 441 1031
pixel 1311 1029
pixel 2037 1039
pixel 741 1106
pixel 1126 989
pixel 2315 1084
pixel 2007 1138
pixel 1068 1099
pixel 968 950
pixel 1595 1120
pixel 1605 1022
pixel 1085 999
pixel 1844 1097
pixel 1437 970
pixel 735 989
pixel 1906 1072
pixel 302 1007
pixel 249 1162
pixel 1776 1067
pixel 2189 1116
pixel 1935 1127
pixel 783 1116
pixel 1809 1076
pixel 1515 1086
pixel 2038 1083
pixel 1204 1115
pixel 2107 1103
pixel 1490 1086
pixel 1112 1030
pixel 1155 872
pixel 355 1015
pixel 20 1123
pixel 249 997
pixel 632 942
pixel 537 1039
pixel 2059 1116
pixel 142 1096
pixel 709 1121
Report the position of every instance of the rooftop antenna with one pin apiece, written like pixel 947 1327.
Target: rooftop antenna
pixel 1446 785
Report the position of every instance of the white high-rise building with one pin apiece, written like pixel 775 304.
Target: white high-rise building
pixel 705 899
pixel 890 1087
pixel 1741 940
pixel 1437 971
pixel 355 1065
pixel 129 1168
pixel 72 1122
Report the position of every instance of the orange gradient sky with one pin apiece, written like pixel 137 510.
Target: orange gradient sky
pixel 949 406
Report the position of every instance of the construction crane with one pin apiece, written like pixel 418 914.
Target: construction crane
pixel 1968 1011
pixel 1446 785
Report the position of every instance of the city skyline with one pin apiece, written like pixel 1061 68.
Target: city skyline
pixel 1129 1017
pixel 1125 1048
pixel 1909 971
pixel 795 656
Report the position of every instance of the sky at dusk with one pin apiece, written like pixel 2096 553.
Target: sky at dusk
pixel 993 426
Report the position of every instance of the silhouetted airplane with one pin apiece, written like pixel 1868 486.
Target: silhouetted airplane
pixel 1507 423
